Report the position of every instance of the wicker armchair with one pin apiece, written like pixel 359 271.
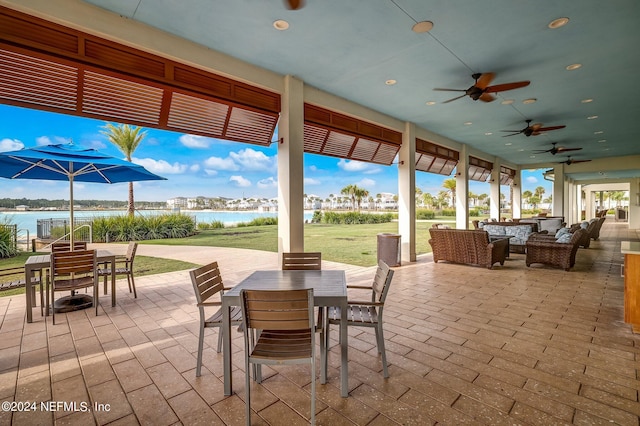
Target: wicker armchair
pixel 563 255
pixel 467 246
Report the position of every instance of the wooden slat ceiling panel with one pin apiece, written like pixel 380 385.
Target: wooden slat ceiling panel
pixel 250 126
pixel 122 99
pixel 197 115
pixel 36 81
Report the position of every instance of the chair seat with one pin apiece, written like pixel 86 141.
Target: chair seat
pixel 283 344
pixel 119 271
pixel 75 283
pixel 356 314
pixel 235 314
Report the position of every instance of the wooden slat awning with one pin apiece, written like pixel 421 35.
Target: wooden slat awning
pixel 330 133
pixel 479 170
pixel 48 66
pixel 435 158
pixel 506 175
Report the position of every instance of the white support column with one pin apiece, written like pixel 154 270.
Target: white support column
pixel 494 192
pixel 589 203
pixel 291 168
pixel 516 203
pixel 634 203
pixel 462 190
pixel 558 190
pixel 407 193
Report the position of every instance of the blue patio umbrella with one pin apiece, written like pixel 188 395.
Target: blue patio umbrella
pixel 70 163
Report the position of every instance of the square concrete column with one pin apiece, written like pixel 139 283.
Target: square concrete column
pixel 291 168
pixel 462 190
pixel 407 194
pixel 516 193
pixel 494 191
pixel 558 190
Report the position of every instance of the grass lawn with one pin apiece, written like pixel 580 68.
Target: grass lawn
pixel 352 244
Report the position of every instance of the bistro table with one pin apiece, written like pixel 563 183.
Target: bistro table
pixel 329 289
pixel 42 261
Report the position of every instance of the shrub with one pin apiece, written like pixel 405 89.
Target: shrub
pixel 128 228
pixel 259 221
pixel 425 214
pixel 317 217
pixel 7 240
pixel 351 218
pixel 448 212
pixel 474 212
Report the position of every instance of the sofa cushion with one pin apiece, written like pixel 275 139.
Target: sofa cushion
pixel 494 229
pixel 561 232
pixel 519 233
pixel 584 225
pixel 564 238
pixel 551 225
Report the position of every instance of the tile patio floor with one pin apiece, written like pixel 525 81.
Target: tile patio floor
pixel 466 345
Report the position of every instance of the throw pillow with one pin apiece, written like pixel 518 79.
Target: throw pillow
pixel 584 225
pixel 565 239
pixel 561 232
pixel 494 229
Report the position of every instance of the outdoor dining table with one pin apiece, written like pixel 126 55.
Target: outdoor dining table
pixel 329 289
pixel 43 261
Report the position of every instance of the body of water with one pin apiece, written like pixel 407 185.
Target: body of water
pixel 27 221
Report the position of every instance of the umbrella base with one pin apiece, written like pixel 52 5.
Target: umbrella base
pixel 73 303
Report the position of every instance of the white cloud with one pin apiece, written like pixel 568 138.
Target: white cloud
pixel 240 181
pixel 46 140
pixel 313 168
pixel 160 166
pixel 366 182
pixel 97 145
pixel 358 166
pixel 311 181
pixel 194 141
pixel 251 160
pixel 532 179
pixel 194 167
pixel 10 145
pixel 269 182
pixel 210 172
pixel 217 163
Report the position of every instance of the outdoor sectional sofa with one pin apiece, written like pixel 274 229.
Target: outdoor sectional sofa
pixel 518 233
pixel 467 246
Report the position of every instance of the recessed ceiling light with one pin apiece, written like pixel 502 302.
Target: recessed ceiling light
pixel 521 150
pixel 557 23
pixel 592 117
pixel 606 149
pixel 488 133
pixel 586 101
pixel 508 144
pixel 602 140
pixel 529 101
pixel 599 132
pixel 431 103
pixel 507 102
pixel 422 27
pixel 532 156
pixel 467 123
pixel 281 25
pixel 390 82
pixel 573 67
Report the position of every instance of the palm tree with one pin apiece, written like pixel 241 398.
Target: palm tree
pixel 359 194
pixel 350 191
pixel 127 139
pixel 450 185
pixel 526 196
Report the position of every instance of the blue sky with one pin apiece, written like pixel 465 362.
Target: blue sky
pixel 195 165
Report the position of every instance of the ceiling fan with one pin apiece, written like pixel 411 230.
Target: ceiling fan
pixel 569 161
pixel 534 130
pixel 294 4
pixel 556 150
pixel 481 89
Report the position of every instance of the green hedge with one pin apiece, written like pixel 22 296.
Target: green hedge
pixel 259 221
pixel 350 218
pixel 425 214
pixel 128 228
pixel 448 212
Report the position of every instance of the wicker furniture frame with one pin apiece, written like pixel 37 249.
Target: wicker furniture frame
pixel 466 246
pixel 563 255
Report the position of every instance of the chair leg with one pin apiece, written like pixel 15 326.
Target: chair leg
pixel 132 284
pixel 105 282
pixel 381 349
pixel 219 339
pixel 200 345
pixel 53 308
pixel 96 294
pixel 247 392
pixel 313 390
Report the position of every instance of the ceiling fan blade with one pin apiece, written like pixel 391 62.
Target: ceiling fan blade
pixel 560 150
pixel 449 90
pixel 547 129
pixel 536 127
pixel 453 99
pixel 542 151
pixel 294 4
pixel 486 97
pixel 485 79
pixel 507 86
pixel 512 134
pixel 579 161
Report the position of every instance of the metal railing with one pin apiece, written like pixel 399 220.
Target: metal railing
pixel 66 236
pixel 50 229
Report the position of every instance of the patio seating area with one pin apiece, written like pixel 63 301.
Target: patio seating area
pixel 465 345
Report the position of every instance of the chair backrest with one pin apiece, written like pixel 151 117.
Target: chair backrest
pixel 131 251
pixel 381 282
pixel 66 246
pixel 304 261
pixel 278 309
pixel 65 263
pixel 206 281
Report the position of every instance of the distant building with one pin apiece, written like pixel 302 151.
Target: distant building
pixel 22 208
